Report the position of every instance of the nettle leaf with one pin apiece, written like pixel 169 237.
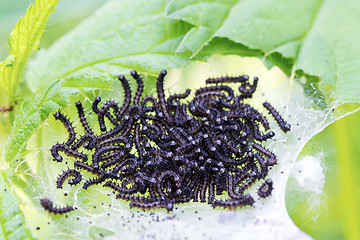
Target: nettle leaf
pixel 313 37
pixel 11 217
pixel 205 24
pixel 31 116
pixel 24 39
pixel 118 37
pixel 265 25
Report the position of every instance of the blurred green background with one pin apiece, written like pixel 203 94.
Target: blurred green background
pixel 336 213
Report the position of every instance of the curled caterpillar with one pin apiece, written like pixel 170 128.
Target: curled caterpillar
pixel 60 147
pixel 69 173
pixel 266 188
pixel 94 181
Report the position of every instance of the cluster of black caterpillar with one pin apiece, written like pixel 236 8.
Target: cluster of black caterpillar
pixel 156 151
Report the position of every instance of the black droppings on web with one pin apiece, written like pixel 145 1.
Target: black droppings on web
pixel 158 152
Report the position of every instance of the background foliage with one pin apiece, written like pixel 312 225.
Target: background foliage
pixel 338 217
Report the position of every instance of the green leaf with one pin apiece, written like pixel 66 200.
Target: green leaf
pixel 23 40
pixel 12 221
pixel 118 37
pixel 204 24
pixel 33 113
pixel 330 50
pixel 314 37
pixel 265 25
pixel 36 110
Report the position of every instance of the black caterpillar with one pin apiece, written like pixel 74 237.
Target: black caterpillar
pixel 266 188
pixel 47 204
pixel 69 173
pixel 156 151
